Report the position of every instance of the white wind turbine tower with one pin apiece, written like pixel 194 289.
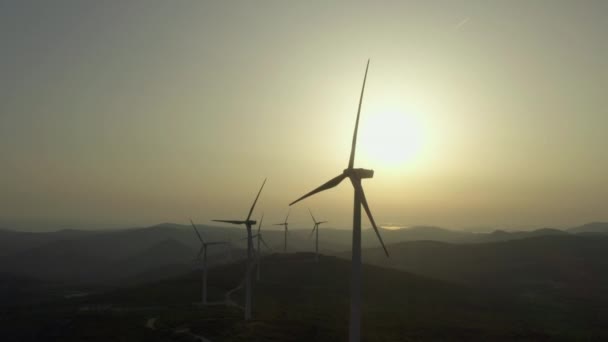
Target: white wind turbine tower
pixel 286 225
pixel 203 251
pixel 260 239
pixel 355 176
pixel 250 262
pixel 316 229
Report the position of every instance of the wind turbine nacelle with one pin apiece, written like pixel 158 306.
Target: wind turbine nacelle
pixel 360 173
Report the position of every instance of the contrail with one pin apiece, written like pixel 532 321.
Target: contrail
pixel 462 23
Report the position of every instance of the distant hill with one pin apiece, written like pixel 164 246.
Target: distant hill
pixel 62 260
pixel 99 256
pixel 109 255
pixel 15 241
pixel 501 235
pixel 430 233
pixel 594 227
pixel 125 241
pixel 560 265
pixel 424 233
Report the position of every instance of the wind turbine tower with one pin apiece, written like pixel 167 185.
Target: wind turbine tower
pixel 286 225
pixel 260 239
pixel 355 176
pixel 203 251
pixel 316 229
pixel 250 262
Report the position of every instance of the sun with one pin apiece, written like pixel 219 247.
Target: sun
pixel 391 138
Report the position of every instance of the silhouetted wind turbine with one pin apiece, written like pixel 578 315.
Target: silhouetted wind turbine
pixel 355 176
pixel 203 251
pixel 260 239
pixel 286 225
pixel 316 229
pixel 248 223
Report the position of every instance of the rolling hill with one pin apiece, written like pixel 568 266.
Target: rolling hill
pixel 118 255
pixel 564 271
pixel 299 299
pixel 593 227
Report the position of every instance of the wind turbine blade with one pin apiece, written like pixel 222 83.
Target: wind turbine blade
pixel 230 221
pixel 264 243
pixel 260 224
pixel 196 230
pixel 313 230
pixel 279 224
pixel 351 161
pixel 330 184
pixel 256 199
pixel 286 217
pixel 359 189
pixel 311 215
pixel 322 222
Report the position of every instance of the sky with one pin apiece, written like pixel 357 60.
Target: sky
pixel 476 113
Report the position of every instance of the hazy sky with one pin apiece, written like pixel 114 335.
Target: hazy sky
pixel 477 113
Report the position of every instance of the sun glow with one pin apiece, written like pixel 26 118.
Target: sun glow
pixel 391 138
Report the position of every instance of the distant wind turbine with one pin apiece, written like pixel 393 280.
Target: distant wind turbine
pixel 248 223
pixel 316 229
pixel 355 176
pixel 260 239
pixel 203 251
pixel 286 225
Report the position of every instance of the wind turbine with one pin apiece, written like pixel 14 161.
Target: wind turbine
pixel 286 225
pixel 260 239
pixel 355 176
pixel 316 228
pixel 248 223
pixel 203 251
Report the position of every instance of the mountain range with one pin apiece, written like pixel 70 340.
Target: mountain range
pixel 112 256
